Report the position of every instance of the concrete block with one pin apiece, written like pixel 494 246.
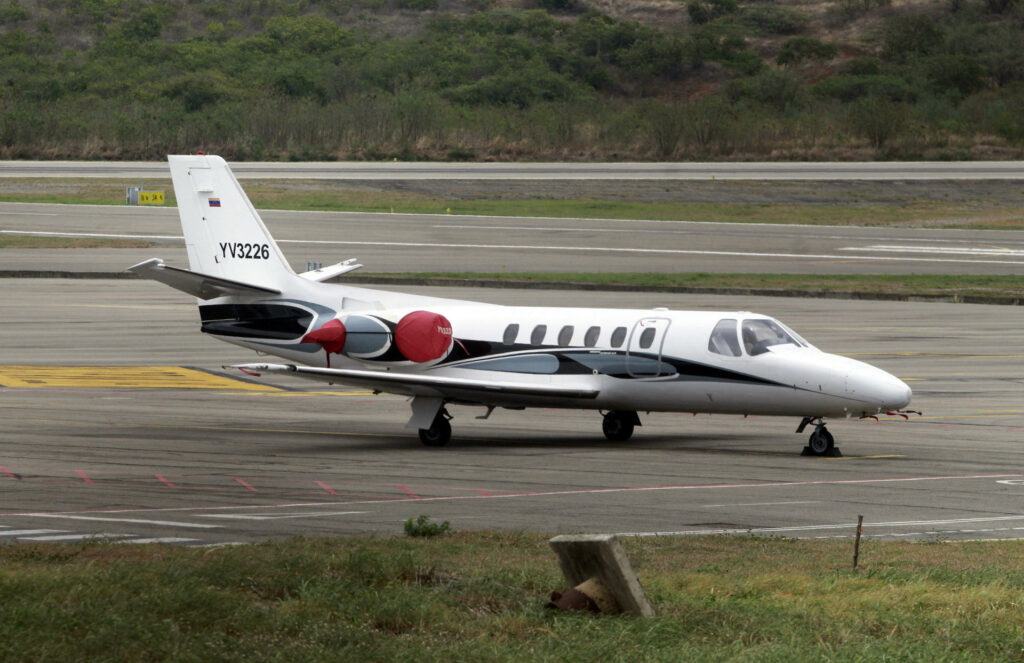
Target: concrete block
pixel 601 556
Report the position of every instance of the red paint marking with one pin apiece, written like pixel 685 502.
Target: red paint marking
pixel 164 481
pixel 244 483
pixel 7 472
pixel 325 487
pixel 482 492
pixel 408 492
pixel 553 493
pixel 85 477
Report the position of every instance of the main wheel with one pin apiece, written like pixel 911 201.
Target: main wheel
pixel 618 426
pixel 821 441
pixel 439 433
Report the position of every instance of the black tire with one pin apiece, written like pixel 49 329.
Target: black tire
pixel 821 442
pixel 439 433
pixel 618 426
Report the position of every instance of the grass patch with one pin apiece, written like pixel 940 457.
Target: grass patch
pixel 34 242
pixel 479 596
pixel 315 195
pixel 1002 286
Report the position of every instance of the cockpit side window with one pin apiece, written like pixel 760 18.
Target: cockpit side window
pixel 723 339
pixel 761 334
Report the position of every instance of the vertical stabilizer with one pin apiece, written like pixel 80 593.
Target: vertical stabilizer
pixel 224 235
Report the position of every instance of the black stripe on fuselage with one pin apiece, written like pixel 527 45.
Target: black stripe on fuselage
pixel 617 364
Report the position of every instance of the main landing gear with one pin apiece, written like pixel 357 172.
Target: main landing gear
pixel 618 425
pixel 440 431
pixel 821 442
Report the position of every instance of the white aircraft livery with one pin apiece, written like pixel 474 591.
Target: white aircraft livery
pixel 440 351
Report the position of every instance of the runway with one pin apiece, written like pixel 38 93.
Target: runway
pixel 118 422
pixel 395 170
pixel 423 242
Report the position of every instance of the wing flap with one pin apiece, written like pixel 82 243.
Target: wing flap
pixel 419 384
pixel 198 285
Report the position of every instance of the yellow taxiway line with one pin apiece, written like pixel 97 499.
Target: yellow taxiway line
pixel 121 377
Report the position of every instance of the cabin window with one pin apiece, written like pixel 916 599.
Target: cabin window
pixel 590 338
pixel 647 337
pixel 723 339
pixel 761 334
pixel 565 335
pixel 618 337
pixel 539 332
pixel 511 332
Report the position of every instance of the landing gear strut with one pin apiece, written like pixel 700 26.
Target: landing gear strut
pixel 821 442
pixel 440 431
pixel 618 425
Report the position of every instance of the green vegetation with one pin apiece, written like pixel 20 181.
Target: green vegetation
pixel 423 526
pixel 995 287
pixel 989 209
pixel 480 597
pixel 534 79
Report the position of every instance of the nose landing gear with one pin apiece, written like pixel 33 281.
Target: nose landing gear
pixel 821 442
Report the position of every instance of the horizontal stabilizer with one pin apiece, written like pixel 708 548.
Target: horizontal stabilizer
pixel 199 285
pixel 416 384
pixel 326 273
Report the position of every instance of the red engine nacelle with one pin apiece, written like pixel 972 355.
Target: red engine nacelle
pixel 422 336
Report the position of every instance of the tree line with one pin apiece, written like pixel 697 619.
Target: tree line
pixel 271 79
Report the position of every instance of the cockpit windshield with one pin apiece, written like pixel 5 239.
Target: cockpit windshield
pixel 759 334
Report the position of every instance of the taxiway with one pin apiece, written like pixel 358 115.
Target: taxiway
pixel 117 422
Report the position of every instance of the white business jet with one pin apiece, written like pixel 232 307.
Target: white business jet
pixel 441 351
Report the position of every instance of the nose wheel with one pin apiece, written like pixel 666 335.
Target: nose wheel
pixel 821 442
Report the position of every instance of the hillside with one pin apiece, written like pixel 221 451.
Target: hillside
pixel 512 79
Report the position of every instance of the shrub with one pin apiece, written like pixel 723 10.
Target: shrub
pixel 909 35
pixel 800 49
pixel 883 86
pixel 960 74
pixel 772 87
pixel 772 20
pixel 422 526
pixel 877 119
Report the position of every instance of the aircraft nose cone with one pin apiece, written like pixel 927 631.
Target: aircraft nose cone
pixel 895 394
pixel 882 390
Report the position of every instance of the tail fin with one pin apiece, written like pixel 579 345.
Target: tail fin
pixel 224 235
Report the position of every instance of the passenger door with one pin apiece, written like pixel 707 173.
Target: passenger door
pixel 644 347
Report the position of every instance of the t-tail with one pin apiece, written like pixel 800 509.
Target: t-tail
pixel 230 251
pixel 224 234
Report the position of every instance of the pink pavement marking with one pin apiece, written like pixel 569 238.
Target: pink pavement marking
pixel 325 487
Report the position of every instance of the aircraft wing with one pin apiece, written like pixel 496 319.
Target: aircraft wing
pixel 415 384
pixel 198 285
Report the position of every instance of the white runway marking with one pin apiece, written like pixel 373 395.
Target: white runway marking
pixel 29 532
pixel 584 249
pixel 716 506
pixel 75 537
pixel 165 523
pixel 159 539
pixel 941 250
pixel 811 528
pixel 558 493
pixel 259 516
